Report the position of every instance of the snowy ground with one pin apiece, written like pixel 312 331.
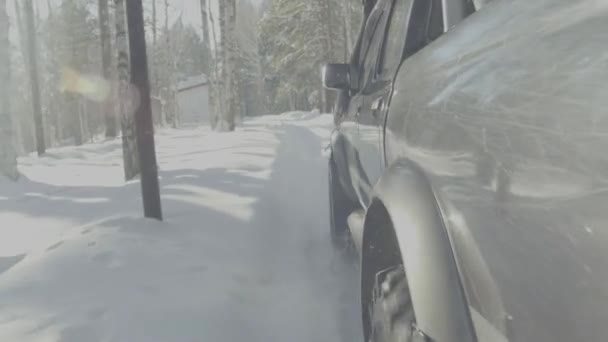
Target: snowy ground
pixel 243 254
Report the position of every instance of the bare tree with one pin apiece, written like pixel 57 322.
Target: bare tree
pixel 328 47
pixel 23 51
pixel 34 78
pixel 210 73
pixel 49 8
pixel 127 120
pixel 8 155
pixel 348 28
pixel 251 83
pixel 154 23
pixel 106 64
pixel 234 103
pixel 229 71
pixel 216 84
pixel 154 57
pixel 143 115
pixel 21 30
pixel 170 107
pixel 205 22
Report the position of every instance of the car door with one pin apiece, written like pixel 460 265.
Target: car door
pixel 366 73
pixel 409 26
pixel 367 55
pixel 350 104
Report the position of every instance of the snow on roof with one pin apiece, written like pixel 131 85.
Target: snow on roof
pixel 192 82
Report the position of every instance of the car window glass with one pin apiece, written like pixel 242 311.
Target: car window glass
pixel 417 27
pixel 372 42
pixel 395 37
pixel 370 27
pixel 435 28
pixel 371 59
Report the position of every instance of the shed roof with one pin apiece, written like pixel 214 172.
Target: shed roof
pixel 193 82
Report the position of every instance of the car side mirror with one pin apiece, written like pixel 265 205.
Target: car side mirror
pixel 336 76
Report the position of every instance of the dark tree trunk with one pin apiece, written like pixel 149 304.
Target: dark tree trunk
pixel 8 155
pixel 205 24
pixel 143 114
pixel 34 78
pixel 229 71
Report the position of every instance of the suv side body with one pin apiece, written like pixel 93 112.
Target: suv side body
pixel 503 115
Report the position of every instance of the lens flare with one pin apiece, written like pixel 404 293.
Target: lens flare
pixel 92 87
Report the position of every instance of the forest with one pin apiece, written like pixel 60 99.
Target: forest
pixel 65 64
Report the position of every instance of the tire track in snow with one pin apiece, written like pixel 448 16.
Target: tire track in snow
pixel 314 291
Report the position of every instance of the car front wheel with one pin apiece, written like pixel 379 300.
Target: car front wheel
pixel 391 312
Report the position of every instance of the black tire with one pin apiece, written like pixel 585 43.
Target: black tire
pixel 340 206
pixel 390 310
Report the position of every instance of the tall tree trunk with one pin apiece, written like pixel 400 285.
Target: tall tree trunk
pixel 23 51
pixel 74 118
pixel 171 114
pixel 207 63
pixel 143 116
pixel 34 79
pixel 348 29
pixel 154 55
pixel 224 81
pixel 205 23
pixel 106 65
pixel 46 115
pixel 49 8
pixel 83 119
pixel 154 27
pixel 127 119
pixel 216 84
pixel 229 71
pixel 328 47
pixel 22 31
pixel 233 49
pixel 8 155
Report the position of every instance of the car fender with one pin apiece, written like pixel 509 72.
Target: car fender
pixel 406 197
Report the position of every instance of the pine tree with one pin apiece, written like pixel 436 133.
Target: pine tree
pixel 249 59
pixel 72 51
pixel 296 39
pixel 8 155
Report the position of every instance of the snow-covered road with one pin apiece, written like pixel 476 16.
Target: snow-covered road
pixel 243 254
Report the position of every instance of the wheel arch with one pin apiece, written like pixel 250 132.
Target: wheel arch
pixel 380 251
pixel 405 214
